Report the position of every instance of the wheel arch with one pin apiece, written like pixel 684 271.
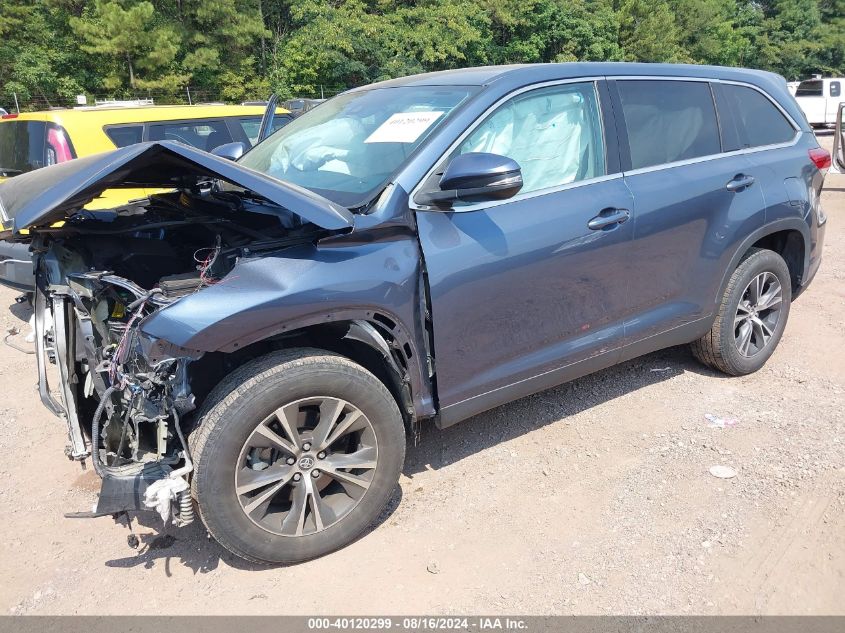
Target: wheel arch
pixel 374 339
pixel 789 237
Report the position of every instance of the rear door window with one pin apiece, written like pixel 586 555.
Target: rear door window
pixel 758 121
pixel 668 121
pixel 206 134
pixel 812 88
pixel 22 146
pixel 125 135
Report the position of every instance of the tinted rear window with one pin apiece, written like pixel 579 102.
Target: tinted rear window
pixel 125 135
pixel 668 121
pixel 758 121
pixel 21 146
pixel 810 89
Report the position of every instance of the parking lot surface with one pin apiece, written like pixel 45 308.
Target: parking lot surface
pixel 594 497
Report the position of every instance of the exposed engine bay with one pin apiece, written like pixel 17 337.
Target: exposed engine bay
pixel 124 395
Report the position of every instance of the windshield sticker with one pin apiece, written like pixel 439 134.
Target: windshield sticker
pixel 403 127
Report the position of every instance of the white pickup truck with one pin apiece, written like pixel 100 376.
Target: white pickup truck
pixel 820 98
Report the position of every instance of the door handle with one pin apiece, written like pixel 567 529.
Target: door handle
pixel 739 182
pixel 607 218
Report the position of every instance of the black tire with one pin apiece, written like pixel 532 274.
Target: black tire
pixel 237 407
pixel 719 347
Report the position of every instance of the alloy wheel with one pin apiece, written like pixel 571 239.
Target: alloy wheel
pixel 306 466
pixel 758 314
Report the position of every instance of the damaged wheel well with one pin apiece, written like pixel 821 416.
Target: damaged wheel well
pixel 370 343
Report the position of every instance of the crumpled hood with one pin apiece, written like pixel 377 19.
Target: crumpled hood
pixel 44 196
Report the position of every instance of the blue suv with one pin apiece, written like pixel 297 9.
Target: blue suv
pixel 257 341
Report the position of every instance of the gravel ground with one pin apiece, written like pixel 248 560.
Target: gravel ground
pixel 594 497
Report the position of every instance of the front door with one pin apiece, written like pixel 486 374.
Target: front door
pixel 523 289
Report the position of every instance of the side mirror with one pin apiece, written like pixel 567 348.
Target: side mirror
pixel 232 151
pixel 476 177
pixel 838 162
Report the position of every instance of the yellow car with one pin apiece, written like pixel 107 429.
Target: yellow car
pixel 32 140
pixel 38 139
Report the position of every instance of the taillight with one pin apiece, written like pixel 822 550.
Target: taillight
pixel 820 158
pixel 9 116
pixel 58 148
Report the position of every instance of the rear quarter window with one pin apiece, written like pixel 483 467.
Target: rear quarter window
pixel 668 121
pixel 835 88
pixel 758 121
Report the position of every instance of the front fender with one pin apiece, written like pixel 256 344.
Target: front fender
pixel 263 296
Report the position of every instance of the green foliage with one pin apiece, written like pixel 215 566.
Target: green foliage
pixel 138 48
pixel 648 32
pixel 36 61
pixel 242 49
pixel 553 31
pixel 716 32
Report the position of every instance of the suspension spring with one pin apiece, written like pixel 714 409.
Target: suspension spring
pixel 186 508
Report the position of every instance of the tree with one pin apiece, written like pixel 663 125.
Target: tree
pixel 221 36
pixel 240 49
pixel 127 34
pixel 648 32
pixel 333 45
pixel 553 30
pixel 787 39
pixel 437 35
pixel 38 59
pixel 830 52
pixel 713 31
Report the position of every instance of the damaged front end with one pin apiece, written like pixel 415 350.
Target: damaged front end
pixel 121 397
pixel 126 396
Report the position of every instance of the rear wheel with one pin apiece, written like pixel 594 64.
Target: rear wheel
pixel 751 317
pixel 296 455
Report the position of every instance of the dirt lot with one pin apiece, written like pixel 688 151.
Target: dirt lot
pixel 594 497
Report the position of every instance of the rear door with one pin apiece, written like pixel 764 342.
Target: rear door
pixel 693 204
pixel 768 139
pixel 523 289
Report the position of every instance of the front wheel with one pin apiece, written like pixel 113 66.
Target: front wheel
pixel 296 456
pixel 751 317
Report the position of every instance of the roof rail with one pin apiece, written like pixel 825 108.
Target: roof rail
pixel 117 103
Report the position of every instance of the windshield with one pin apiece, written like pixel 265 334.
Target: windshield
pixel 347 148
